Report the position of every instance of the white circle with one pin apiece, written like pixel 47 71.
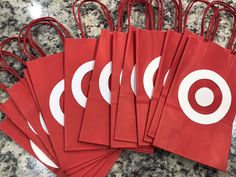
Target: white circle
pixel 197 117
pixel 121 74
pixel 148 76
pixel 104 82
pixel 42 156
pixel 54 102
pixel 32 129
pixel 204 97
pixel 42 122
pixel 133 79
pixel 165 78
pixel 77 79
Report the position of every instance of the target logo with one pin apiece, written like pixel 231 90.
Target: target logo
pixel 38 152
pixel 54 102
pixel 132 79
pixel 42 156
pixel 77 79
pixel 149 74
pixel 104 82
pixel 204 97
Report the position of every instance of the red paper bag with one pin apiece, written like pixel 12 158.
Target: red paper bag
pixel 15 116
pixel 201 99
pixel 168 68
pixel 118 51
pixel 79 61
pixel 149 45
pixel 126 128
pixel 24 101
pixel 119 43
pixel 169 49
pixel 96 119
pixel 49 92
pixel 12 130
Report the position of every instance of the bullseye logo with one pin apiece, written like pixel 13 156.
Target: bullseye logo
pixel 211 101
pixel 149 74
pixel 42 156
pixel 54 102
pixel 104 82
pixel 77 79
pixel 38 152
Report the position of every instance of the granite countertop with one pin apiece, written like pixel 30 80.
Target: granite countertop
pixel 14 161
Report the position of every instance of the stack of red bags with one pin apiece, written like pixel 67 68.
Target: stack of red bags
pixel 76 110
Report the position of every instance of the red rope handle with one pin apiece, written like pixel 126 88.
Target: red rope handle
pixel 78 16
pixel 25 37
pixel 48 21
pixel 149 13
pixel 23 41
pixel 189 7
pixel 160 14
pixel 178 5
pixel 5 42
pixel 226 6
pixel 211 26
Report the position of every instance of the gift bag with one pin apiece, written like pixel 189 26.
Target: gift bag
pixel 168 68
pixel 20 138
pixel 49 90
pixel 168 51
pixel 149 46
pixel 199 109
pixel 119 45
pixel 24 101
pixel 79 61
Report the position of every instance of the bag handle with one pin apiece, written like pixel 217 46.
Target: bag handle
pixel 22 41
pixel 3 52
pixel 160 14
pixel 149 14
pixel 225 6
pixel 211 26
pixel 234 50
pixel 48 21
pixel 78 17
pixel 178 5
pixel 188 9
pixel 5 68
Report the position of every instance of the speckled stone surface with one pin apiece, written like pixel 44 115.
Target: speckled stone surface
pixel 15 162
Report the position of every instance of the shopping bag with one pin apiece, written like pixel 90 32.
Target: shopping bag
pixel 149 47
pixel 95 125
pixel 118 50
pixel 49 89
pixel 169 47
pixel 201 99
pixel 168 68
pixel 20 138
pixel 79 61
pixel 11 111
pixel 24 101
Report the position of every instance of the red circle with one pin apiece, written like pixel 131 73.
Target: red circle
pixel 213 87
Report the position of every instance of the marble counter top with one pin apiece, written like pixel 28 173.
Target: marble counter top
pixel 15 162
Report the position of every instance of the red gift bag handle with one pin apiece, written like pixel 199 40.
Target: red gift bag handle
pixel 216 14
pixel 78 16
pixel 27 37
pixel 225 5
pixel 149 14
pixel 179 15
pixel 234 50
pixel 5 68
pixel 2 52
pixel 188 9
